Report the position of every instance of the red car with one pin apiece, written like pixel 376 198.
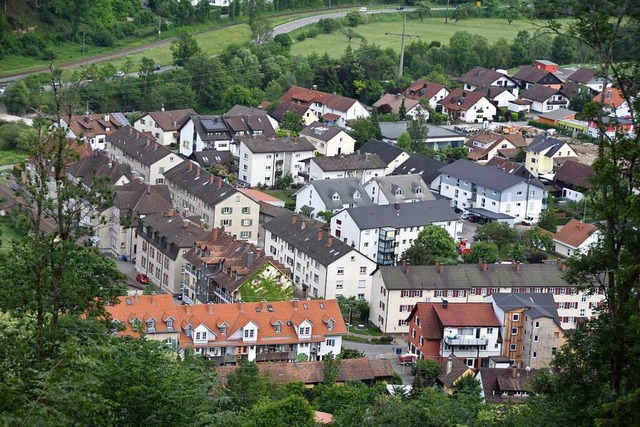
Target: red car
pixel 142 278
pixel 472 218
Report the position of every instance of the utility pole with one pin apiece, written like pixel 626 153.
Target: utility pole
pixel 84 35
pixel 159 26
pixel 446 15
pixel 402 35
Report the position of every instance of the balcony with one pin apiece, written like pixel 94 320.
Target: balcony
pixel 223 360
pixel 276 356
pixel 469 341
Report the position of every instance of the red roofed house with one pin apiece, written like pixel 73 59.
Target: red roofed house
pixel 613 103
pixel 430 91
pixel 94 128
pixel 575 237
pixel 228 333
pixel 164 125
pixel 469 331
pixel 334 109
pixel 468 107
pixel 392 103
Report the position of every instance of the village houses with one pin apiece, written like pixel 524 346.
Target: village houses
pixel 163 125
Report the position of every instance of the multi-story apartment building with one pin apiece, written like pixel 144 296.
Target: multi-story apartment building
pixel 543 152
pixel 469 331
pixel 148 159
pixel 195 191
pixel 383 232
pixel 329 140
pixel 391 155
pixel 322 265
pixel 396 289
pixel 330 195
pixel 387 190
pixel 163 125
pixel 222 269
pixel 531 330
pixel 231 333
pixel 363 166
pixel 262 160
pixel 491 193
pixel 162 241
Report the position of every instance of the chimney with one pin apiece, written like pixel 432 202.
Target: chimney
pixel 215 233
pixel 241 306
pixel 294 218
pixel 319 235
pixel 137 135
pixel 170 213
pixel 303 225
pixel 563 266
pixel 295 303
pixel 441 268
pixel 480 264
pixel 198 171
pixel 396 206
pixel 211 179
pixel 518 265
pixel 106 117
pixel 130 130
pixel 445 303
pixel 210 308
pixel 485 266
pixel 329 241
pixel 249 258
pixel 404 265
pixel 449 365
pixel 155 146
pixel 135 297
pixel 201 224
pixel 188 310
pixel 146 144
pixel 149 189
pixel 190 166
pixel 514 372
pixel 263 305
pixel 153 301
pixel 219 182
pixel 185 223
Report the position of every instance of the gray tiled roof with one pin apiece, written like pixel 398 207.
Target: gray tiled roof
pixel 349 162
pixel 138 145
pixel 303 235
pixel 481 175
pixel 540 305
pixel 264 144
pixel 407 184
pixel 219 130
pixel 386 152
pixel 144 199
pixel 467 276
pixel 407 214
pixel 539 93
pixel 175 230
pixel 480 77
pixel 544 142
pixel 320 131
pixel 206 158
pixel 426 166
pixel 345 188
pixel 197 181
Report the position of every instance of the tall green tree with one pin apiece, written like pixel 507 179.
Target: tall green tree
pixel 500 233
pixel 423 11
pixel 418 131
pixel 184 47
pixel 432 244
pixel 246 386
pixel 17 97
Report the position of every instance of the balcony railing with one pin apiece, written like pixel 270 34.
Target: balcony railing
pixel 466 341
pixel 223 360
pixel 273 356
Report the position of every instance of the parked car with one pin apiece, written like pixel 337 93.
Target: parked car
pixel 400 8
pixel 472 218
pixel 363 9
pixel 528 220
pixel 118 74
pixel 156 67
pixel 142 278
pixel 407 359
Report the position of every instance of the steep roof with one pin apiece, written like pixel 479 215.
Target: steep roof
pixel 386 152
pixel 176 231
pixel 91 125
pixel 543 143
pixel 248 120
pixel 575 173
pixel 466 314
pixel 210 128
pixel 209 188
pixel 467 276
pixel 321 131
pixel 143 308
pixel 307 96
pixel 508 166
pixel 539 93
pixel 349 162
pixel 405 215
pixel 265 144
pixel 491 140
pixel 458 369
pixel 345 188
pixel 98 165
pixel 426 166
pixel 612 97
pixel 461 100
pixel 171 120
pixel 531 74
pixel 538 305
pixel 270 211
pixel 394 101
pixel 574 233
pixel 398 188
pixel 287 106
pixel 138 145
pixel 495 381
pixel 206 158
pixel 486 176
pixel 362 369
pixel 480 77
pixel 137 198
pixel 308 237
pixel 423 89
pixel 582 75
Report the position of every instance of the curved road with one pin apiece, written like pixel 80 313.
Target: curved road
pixel 280 29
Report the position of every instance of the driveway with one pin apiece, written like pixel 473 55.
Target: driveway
pixel 385 351
pixel 468 230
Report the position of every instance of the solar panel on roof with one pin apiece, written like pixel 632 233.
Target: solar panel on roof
pixel 211 125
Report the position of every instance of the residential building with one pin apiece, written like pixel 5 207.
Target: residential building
pixel 470 331
pixel 511 385
pixel 333 109
pixel 468 107
pixel 396 289
pixel 438 137
pixel 307 114
pixel 613 102
pixel 427 167
pixel 199 133
pixel 328 140
pixel 485 145
pixel 330 195
pixel 260 196
pixel 451 371
pixel 163 125
pixel 262 160
pixel 542 153
pixel 222 269
pixel 573 179
pixel 267 213
pixel 148 159
pixel 554 117
pixel 531 330
pixel 322 265
pixel 363 166
pixel 588 78
pixel 391 155
pixel 98 166
pixel 231 333
pixel 383 232
pixel 575 237
pixel 94 128
pixel 386 190
pixel 162 241
pixel 509 166
pixel 545 98
pixel 255 121
pixel 195 191
pixel 393 103
pixel 492 193
pixel 495 85
pixel 530 75
pixel 429 91
pixel 131 202
pixel 213 158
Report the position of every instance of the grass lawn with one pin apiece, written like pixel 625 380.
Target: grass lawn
pixel 432 29
pixel 369 330
pixel 285 195
pixel 7 234
pixel 11 157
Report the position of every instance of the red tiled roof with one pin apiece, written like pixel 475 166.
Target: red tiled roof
pixel 171 120
pixel 574 233
pixel 423 89
pixel 461 100
pixel 307 96
pixel 612 97
pixel 466 314
pixel 144 307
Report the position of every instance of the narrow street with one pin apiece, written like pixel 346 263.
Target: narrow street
pixel 385 351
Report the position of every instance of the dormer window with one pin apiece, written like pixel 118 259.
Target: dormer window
pixel 399 192
pixel 305 330
pixel 169 324
pixel 223 329
pixel 356 195
pixel 336 196
pixel 249 333
pixel 151 325
pixel 330 325
pixel 278 328
pixel 418 190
